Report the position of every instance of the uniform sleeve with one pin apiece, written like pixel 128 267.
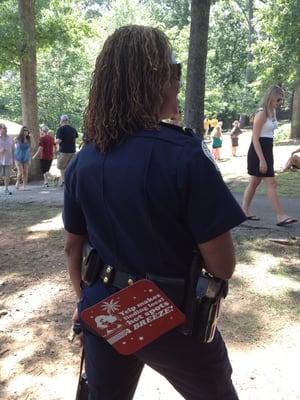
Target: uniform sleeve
pixel 73 217
pixel 210 208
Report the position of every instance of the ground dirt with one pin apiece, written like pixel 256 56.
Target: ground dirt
pixel 260 319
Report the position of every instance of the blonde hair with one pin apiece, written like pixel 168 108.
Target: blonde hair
pixel 217 132
pixel 271 93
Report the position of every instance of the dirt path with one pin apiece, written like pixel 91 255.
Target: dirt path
pixel 260 320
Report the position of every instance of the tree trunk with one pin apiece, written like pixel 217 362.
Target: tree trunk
pixel 28 76
pixel 295 124
pixel 249 71
pixel 195 89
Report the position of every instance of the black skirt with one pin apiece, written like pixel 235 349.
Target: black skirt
pixel 253 161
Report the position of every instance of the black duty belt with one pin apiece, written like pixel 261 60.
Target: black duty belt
pixel 112 277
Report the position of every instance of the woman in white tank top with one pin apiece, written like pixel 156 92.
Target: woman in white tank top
pixel 260 156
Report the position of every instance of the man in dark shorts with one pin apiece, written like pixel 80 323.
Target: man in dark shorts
pixel 66 139
pixel 45 152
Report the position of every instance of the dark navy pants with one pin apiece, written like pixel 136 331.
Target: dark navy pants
pixel 196 371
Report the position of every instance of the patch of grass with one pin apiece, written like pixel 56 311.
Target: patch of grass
pixel 287 271
pixel 288 184
pixel 283 132
pixel 263 296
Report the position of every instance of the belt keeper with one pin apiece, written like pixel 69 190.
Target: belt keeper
pixel 130 282
pixel 107 274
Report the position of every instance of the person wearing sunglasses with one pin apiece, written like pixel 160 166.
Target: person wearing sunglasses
pixel 260 160
pixel 145 194
pixel 22 156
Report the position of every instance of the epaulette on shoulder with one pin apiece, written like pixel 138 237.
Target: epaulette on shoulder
pixel 172 126
pixel 181 129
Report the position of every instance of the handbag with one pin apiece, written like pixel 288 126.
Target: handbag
pixel 82 392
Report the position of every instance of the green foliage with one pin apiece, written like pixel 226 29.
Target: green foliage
pixel 66 92
pixel 278 50
pixel 10 102
pixel 172 13
pixel 227 62
pixel 70 34
pixel 10 35
pixel 124 12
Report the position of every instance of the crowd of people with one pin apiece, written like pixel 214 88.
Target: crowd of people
pixel 18 152
pixel 214 134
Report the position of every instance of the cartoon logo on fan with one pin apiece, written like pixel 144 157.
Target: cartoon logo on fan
pixel 111 324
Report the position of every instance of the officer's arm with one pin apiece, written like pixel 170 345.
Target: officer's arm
pixel 218 255
pixel 73 249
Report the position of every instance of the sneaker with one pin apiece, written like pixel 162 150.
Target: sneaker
pixel 46 185
pixel 7 192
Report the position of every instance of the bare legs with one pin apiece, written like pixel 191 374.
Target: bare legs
pixel 22 174
pixel 271 193
pixel 62 177
pixel 250 192
pixel 6 182
pixel 216 153
pixel 47 176
pixel 293 161
pixel 274 200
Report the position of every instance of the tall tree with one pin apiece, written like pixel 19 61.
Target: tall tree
pixel 249 14
pixel 295 123
pixel 195 89
pixel 28 74
pixel 277 53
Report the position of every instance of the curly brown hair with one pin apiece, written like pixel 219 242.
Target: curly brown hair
pixel 131 75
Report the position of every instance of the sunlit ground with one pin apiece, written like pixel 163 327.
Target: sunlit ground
pixel 260 317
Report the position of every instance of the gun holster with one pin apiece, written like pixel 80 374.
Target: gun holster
pixel 92 265
pixel 203 295
pixel 198 297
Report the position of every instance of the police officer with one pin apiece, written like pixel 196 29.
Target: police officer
pixel 145 195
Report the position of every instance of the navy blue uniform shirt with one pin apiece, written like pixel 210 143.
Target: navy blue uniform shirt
pixel 147 204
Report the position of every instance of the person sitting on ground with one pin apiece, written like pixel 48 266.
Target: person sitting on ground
pixel 293 162
pixel 22 156
pixel 234 135
pixel 45 152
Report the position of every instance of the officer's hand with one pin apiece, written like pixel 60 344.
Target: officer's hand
pixel 75 316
